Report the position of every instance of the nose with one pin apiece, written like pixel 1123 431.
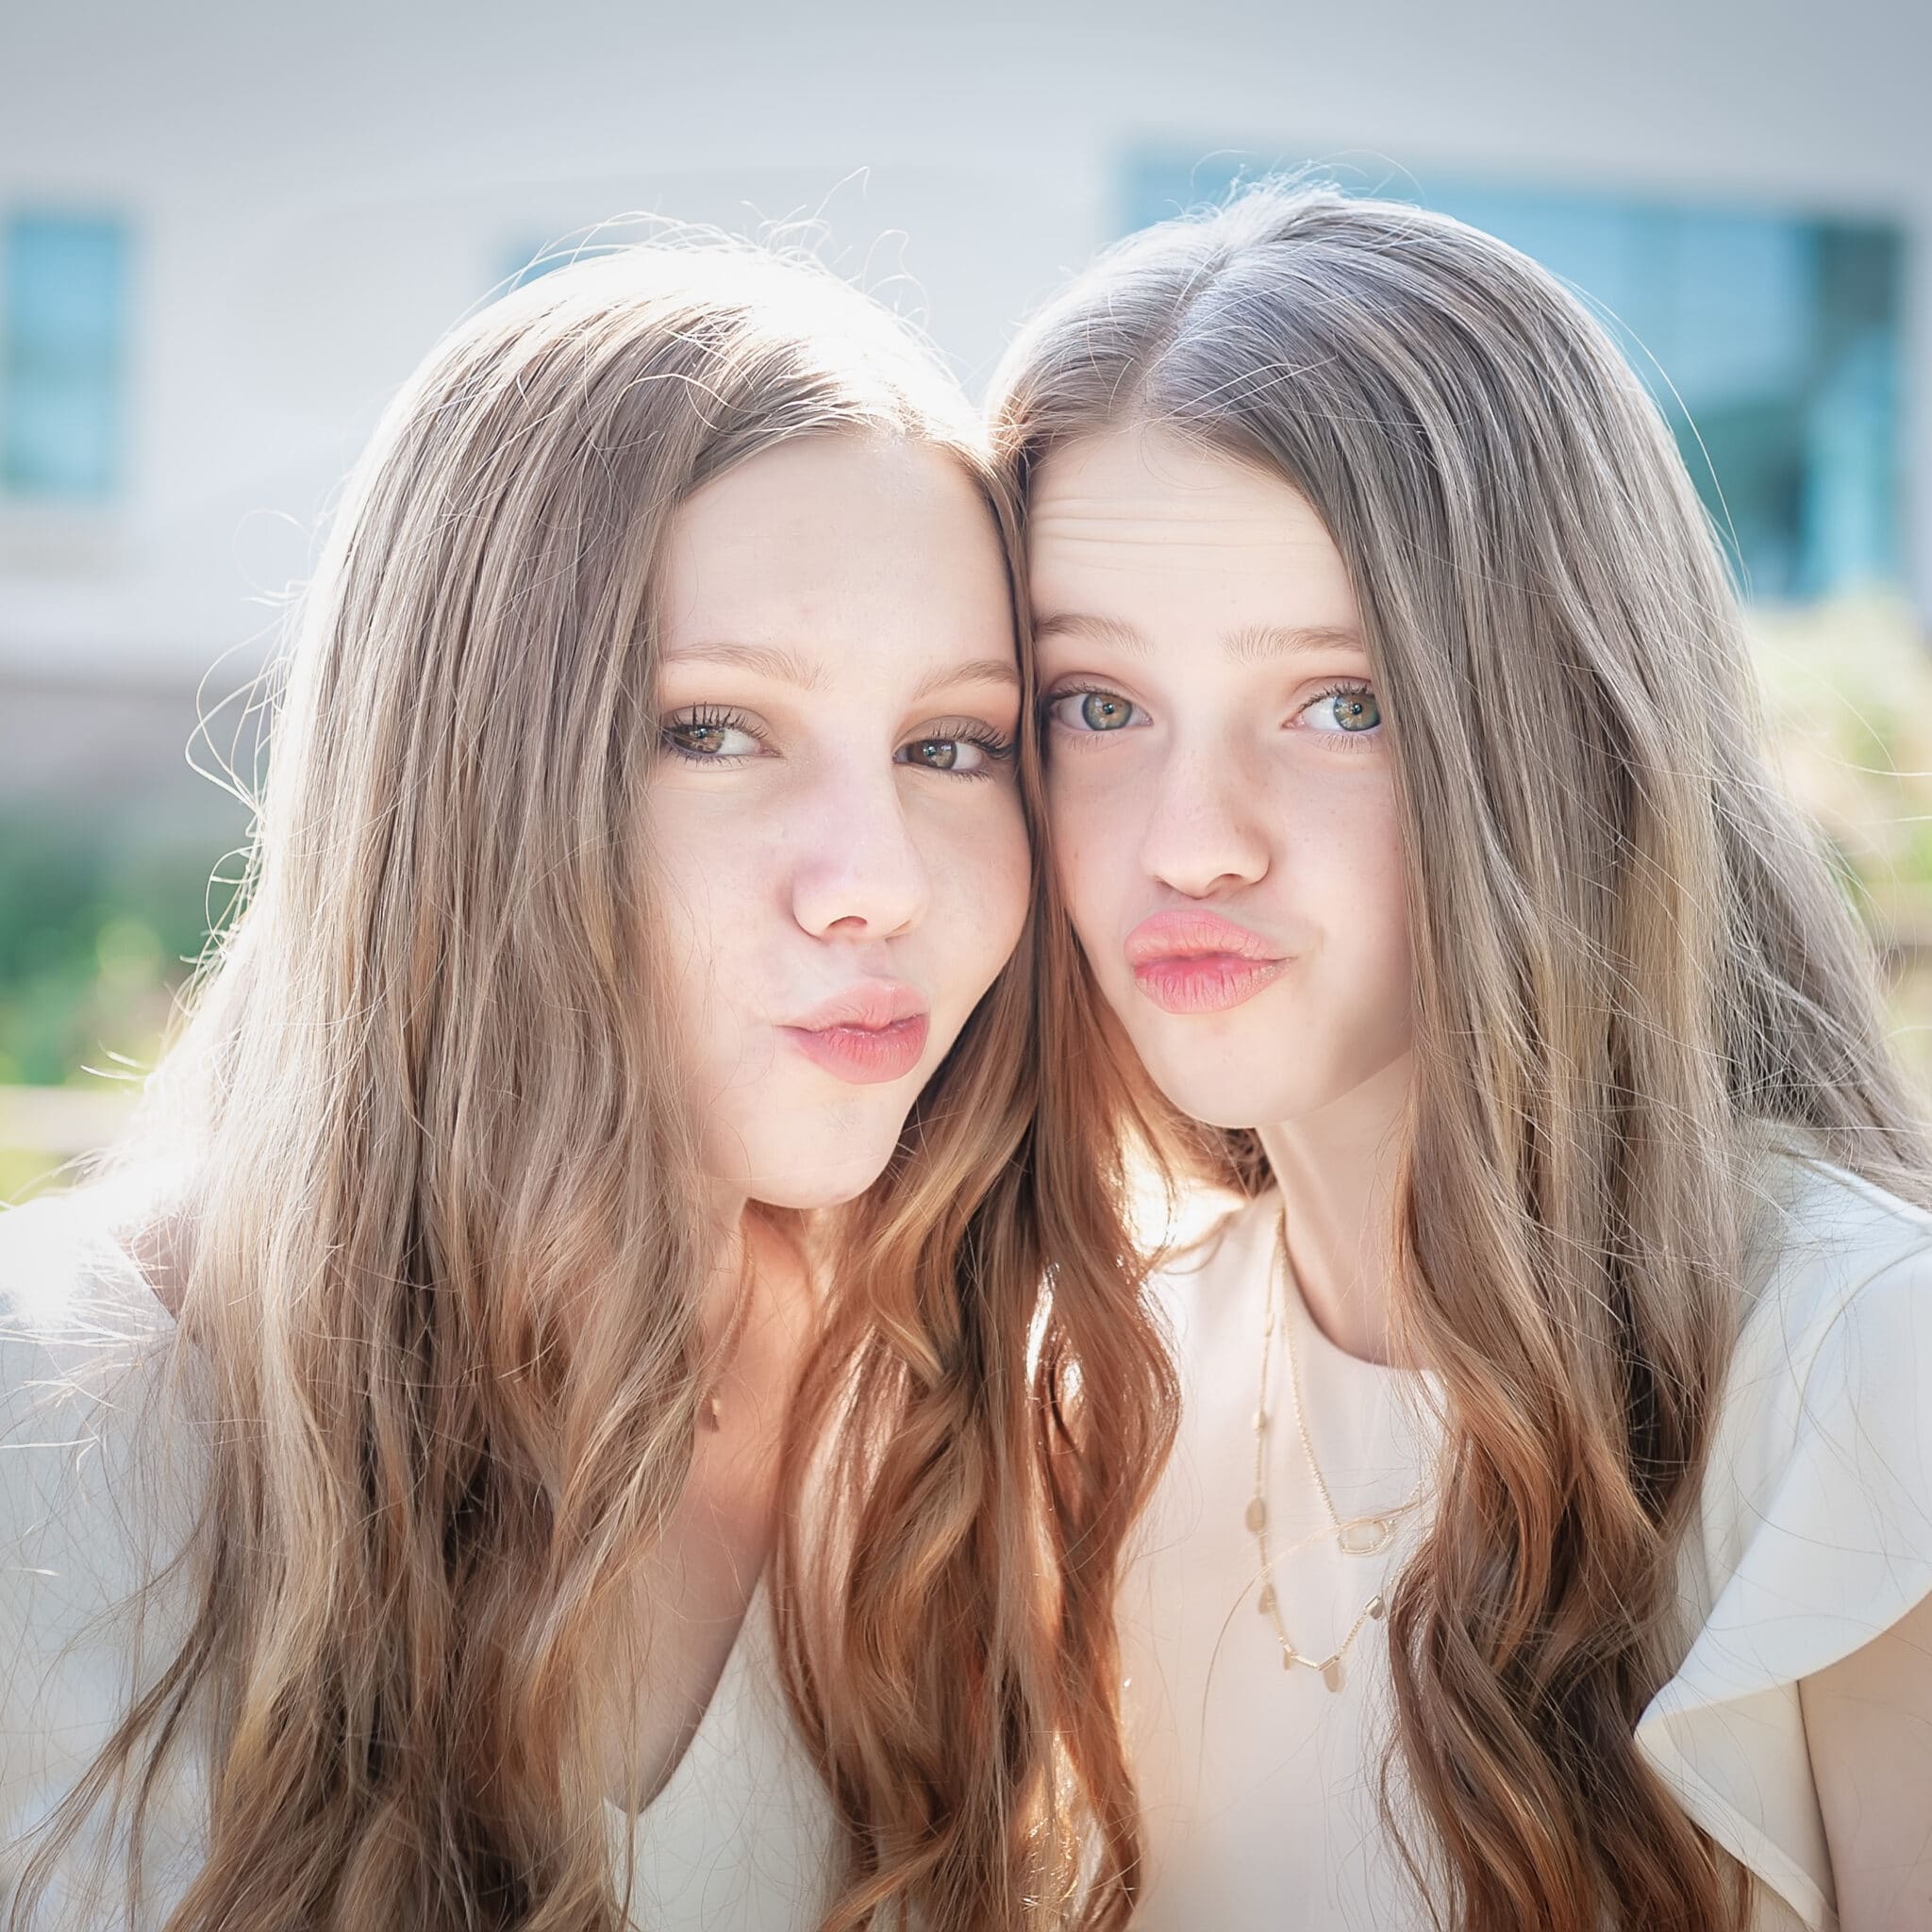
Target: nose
pixel 1204 833
pixel 858 870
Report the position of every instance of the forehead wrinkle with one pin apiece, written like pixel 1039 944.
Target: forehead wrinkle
pixel 1168 525
pixel 765 660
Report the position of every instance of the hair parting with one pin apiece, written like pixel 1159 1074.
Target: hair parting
pixel 1631 964
pixel 437 1231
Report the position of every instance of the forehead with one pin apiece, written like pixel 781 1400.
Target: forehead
pixel 1143 514
pixel 840 534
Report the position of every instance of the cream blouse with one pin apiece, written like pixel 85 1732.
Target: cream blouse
pixel 1814 1537
pixel 737 1839
pixel 1260 1785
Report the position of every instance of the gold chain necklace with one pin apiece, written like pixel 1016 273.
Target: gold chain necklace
pixel 1356 1536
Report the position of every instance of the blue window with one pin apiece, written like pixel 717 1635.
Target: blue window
pixel 63 303
pixel 1771 343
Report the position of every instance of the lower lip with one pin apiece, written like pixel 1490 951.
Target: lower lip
pixel 1205 982
pixel 863 1055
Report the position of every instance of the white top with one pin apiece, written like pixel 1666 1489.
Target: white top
pixel 1814 1537
pixel 737 1840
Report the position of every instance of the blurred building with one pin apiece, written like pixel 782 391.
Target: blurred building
pixel 227 232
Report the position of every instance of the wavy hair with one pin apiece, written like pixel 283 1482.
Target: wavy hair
pixel 441 1244
pixel 1630 952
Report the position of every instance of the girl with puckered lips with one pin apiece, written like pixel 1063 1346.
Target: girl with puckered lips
pixel 539 1436
pixel 1547 1539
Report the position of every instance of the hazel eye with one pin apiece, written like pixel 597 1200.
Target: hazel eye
pixel 707 738
pixel 959 748
pixel 944 755
pixel 1354 712
pixel 1088 711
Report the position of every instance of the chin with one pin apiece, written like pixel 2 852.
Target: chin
pixel 1268 1096
pixel 1233 1110
pixel 1235 1099
pixel 804 1196
pixel 816 1176
pixel 1221 1090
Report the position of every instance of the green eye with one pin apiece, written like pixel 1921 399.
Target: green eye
pixel 1347 711
pixel 1095 710
pixel 961 747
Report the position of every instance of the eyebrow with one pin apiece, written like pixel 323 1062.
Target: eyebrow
pixel 1000 670
pixel 789 668
pixel 765 660
pixel 1250 644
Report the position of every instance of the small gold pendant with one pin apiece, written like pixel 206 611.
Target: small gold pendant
pixel 1265 1602
pixel 1365 1536
pixel 1288 1658
pixel 1376 1607
pixel 1332 1674
pixel 1258 1515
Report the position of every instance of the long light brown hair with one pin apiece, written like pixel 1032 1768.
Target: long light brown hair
pixel 1628 951
pixel 441 1246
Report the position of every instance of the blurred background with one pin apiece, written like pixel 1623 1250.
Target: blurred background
pixel 229 231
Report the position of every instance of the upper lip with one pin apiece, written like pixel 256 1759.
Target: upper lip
pixel 1189 933
pixel 870 1004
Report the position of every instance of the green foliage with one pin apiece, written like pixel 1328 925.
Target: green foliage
pixel 97 931
pixel 100 922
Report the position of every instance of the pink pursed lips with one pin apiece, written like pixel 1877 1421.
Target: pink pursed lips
pixel 868 1033
pixel 1190 960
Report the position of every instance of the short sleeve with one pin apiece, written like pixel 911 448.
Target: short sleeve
pixel 1816 1538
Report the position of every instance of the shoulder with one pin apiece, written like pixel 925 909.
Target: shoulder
pixel 1837 1333
pixel 1824 1236
pixel 100 1487
pixel 1206 1242
pixel 91 1465
pixel 76 1313
pixel 1813 1535
pixel 1830 1382
pixel 64 1266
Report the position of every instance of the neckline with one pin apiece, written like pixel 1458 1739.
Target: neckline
pixel 726 1692
pixel 1310 1338
pixel 115 1261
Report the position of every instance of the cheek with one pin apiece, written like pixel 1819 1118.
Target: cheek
pixel 983 875
pixel 708 889
pixel 1364 909
pixel 1094 840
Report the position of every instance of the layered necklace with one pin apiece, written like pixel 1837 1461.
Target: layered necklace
pixel 1354 1536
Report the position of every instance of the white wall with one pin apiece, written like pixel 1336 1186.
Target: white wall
pixel 318 193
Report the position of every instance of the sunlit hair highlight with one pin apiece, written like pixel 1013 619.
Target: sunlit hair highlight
pixel 1630 958
pixel 438 1239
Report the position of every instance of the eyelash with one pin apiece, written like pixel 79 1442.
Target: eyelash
pixel 1060 694
pixel 718 718
pixel 999 749
pixel 707 718
pixel 1346 688
pixel 1341 688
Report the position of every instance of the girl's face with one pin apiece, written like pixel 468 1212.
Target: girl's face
pixel 834 799
pixel 1219 783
